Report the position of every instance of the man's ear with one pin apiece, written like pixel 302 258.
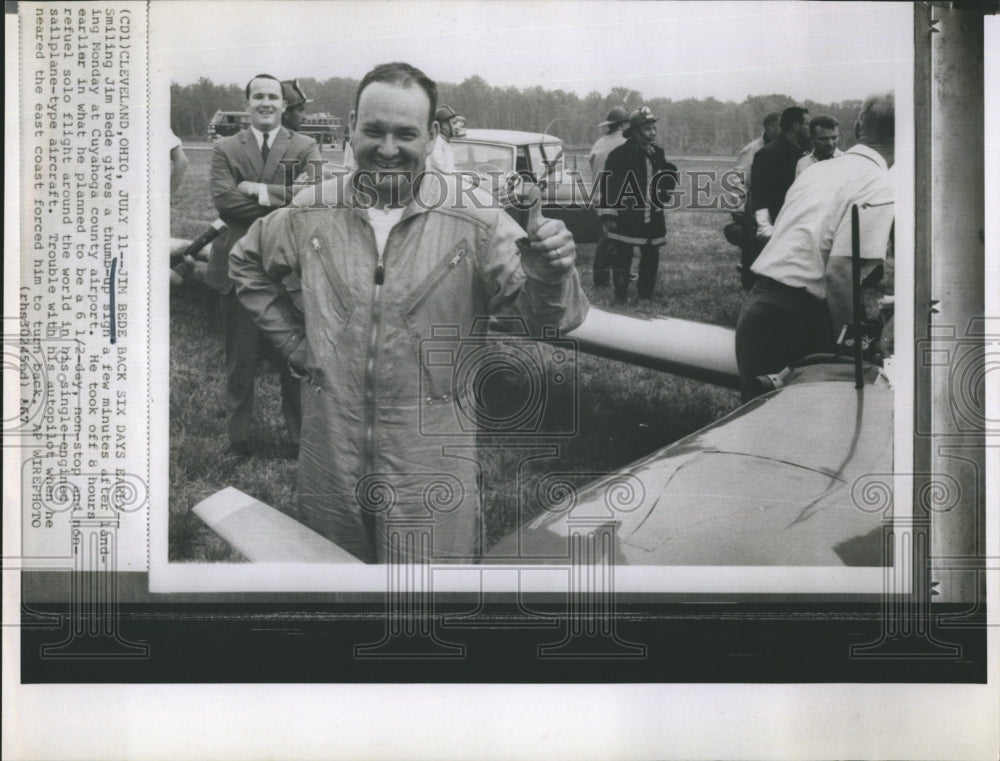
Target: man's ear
pixel 435 130
pixel 353 121
pixel 857 130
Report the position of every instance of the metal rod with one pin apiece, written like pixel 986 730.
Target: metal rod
pixel 859 380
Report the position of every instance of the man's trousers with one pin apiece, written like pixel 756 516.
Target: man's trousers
pixel 778 325
pixel 621 269
pixel 243 344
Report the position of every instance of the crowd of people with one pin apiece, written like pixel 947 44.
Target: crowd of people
pixel 342 294
pixel 794 232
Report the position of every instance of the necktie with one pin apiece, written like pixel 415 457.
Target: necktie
pixel 264 149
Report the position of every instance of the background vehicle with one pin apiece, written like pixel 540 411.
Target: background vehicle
pixel 499 154
pixel 226 123
pixel 324 128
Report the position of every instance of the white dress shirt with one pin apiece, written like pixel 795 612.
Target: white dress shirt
pixel 262 195
pixel 815 222
pixel 810 158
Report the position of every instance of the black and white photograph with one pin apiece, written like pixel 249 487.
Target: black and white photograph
pixel 677 406
pixel 541 363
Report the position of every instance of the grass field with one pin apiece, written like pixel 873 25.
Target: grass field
pixel 623 412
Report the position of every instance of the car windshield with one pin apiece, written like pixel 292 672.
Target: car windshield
pixel 483 157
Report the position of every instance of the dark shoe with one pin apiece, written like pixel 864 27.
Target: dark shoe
pixel 238 449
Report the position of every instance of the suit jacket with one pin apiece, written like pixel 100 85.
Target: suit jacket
pixel 238 158
pixel 773 173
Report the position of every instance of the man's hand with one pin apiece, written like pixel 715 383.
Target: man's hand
pixel 298 361
pixel 248 188
pixel 551 252
pixel 764 227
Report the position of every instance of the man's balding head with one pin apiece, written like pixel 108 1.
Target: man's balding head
pixel 877 120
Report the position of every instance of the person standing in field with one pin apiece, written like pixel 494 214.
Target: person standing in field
pixel 744 161
pixel 251 176
pixel 442 157
pixel 744 224
pixel 803 293
pixel 824 134
pixel 615 124
pixel 399 268
pixel 772 173
pixel 773 169
pixel 640 183
pixel 296 99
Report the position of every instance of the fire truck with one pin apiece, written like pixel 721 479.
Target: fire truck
pixel 324 128
pixel 226 123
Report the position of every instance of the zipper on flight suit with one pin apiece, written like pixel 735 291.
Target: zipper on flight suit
pixel 435 278
pixel 371 376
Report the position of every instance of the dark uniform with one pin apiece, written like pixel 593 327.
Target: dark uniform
pixel 639 186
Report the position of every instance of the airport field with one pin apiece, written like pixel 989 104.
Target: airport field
pixel 619 412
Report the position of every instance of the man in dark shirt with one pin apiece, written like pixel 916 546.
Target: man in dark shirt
pixel 773 169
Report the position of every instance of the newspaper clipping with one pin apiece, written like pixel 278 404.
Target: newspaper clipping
pixel 617 379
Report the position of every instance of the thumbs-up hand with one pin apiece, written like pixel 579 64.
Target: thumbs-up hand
pixel 550 252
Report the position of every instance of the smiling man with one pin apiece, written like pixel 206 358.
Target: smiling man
pixel 251 176
pixel 400 271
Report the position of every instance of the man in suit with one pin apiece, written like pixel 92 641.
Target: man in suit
pixel 251 176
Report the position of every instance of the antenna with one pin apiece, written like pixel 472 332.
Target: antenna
pixel 859 380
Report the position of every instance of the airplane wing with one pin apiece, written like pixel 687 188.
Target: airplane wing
pixel 263 534
pixel 770 484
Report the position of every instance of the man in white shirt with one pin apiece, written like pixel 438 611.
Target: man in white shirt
pixel 616 122
pixel 824 134
pixel 442 158
pixel 803 295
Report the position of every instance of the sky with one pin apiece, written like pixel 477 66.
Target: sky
pixel 728 50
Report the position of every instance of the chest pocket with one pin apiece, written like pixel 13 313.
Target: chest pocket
pixel 325 290
pixel 436 315
pixel 445 277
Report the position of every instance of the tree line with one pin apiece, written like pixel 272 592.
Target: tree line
pixel 690 126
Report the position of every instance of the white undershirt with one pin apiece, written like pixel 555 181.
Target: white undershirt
pixel 382 222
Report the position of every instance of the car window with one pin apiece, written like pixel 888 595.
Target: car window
pixel 483 157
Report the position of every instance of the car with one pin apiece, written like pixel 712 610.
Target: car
pixel 498 155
